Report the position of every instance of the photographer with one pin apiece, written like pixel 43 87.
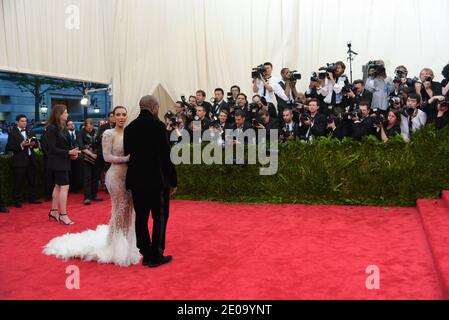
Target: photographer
pixel 390 128
pixel 401 81
pixel 426 88
pixel 288 85
pixel 332 90
pixel 22 142
pixel 363 124
pixel 232 95
pixel 379 85
pixel 220 125
pixel 241 104
pixel 264 82
pixel 445 82
pixel 443 115
pixel 267 123
pixel 317 80
pixel 204 122
pixel 430 107
pixel 219 103
pixel 359 94
pixel 412 119
pixel 179 128
pixel 89 148
pixel 315 124
pixel 240 126
pixel 200 101
pixel 289 128
pixel 180 109
pixel 262 104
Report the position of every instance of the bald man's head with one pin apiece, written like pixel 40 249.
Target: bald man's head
pixel 149 103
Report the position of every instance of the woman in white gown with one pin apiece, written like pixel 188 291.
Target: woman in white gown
pixel 116 242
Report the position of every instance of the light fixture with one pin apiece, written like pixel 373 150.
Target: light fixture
pixel 96 108
pixel 43 108
pixel 85 101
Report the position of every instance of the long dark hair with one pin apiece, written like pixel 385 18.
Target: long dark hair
pixel 55 116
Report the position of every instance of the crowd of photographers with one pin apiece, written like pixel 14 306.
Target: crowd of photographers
pixel 381 106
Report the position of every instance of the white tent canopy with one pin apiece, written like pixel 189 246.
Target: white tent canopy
pixel 184 45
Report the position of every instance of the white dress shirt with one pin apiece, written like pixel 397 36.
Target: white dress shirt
pixel 418 121
pixel 270 96
pixel 329 88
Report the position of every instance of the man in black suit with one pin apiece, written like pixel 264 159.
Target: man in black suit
pixel 240 126
pixel 290 130
pixel 200 101
pixel 316 123
pixel 363 122
pixel 76 166
pixel 219 103
pixel 152 179
pixel 22 144
pixel 267 123
pixel 358 95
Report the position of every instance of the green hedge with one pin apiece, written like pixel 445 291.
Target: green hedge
pixel 326 172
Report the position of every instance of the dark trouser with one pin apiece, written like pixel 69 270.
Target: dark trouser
pixel 19 175
pixel 76 175
pixel 90 173
pixel 156 201
pixel 49 183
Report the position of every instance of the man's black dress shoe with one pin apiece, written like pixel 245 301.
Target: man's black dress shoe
pixel 159 262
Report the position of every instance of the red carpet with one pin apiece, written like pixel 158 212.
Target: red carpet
pixel 224 251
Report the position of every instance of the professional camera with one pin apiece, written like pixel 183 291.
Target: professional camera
pixel 258 71
pixel 171 117
pixel 215 123
pixel 407 112
pixel 348 87
pixel 253 107
pixel 293 75
pixel 355 113
pixel 231 101
pixel 317 76
pixel 394 102
pixel 330 67
pixel 255 123
pixel 188 106
pixel 378 117
pixel 305 116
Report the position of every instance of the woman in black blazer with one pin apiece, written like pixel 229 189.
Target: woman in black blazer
pixel 60 152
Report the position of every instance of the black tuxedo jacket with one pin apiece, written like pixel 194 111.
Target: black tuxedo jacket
pixel 216 108
pixel 319 127
pixel 21 157
pixel 149 166
pixel 366 96
pixel 58 146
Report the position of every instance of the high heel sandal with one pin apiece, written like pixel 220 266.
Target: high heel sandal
pixel 63 222
pixel 50 216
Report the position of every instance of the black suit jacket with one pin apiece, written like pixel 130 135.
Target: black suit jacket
pixel 21 157
pixel 363 128
pixel 58 147
pixel 149 166
pixel 319 127
pixel 216 108
pixel 366 96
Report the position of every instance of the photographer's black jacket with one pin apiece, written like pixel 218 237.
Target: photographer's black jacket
pixel 319 127
pixel 21 157
pixel 87 140
pixel 363 128
pixel 366 96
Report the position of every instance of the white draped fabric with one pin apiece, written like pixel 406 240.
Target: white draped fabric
pixel 184 45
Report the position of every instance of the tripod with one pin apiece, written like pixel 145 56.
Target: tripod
pixel 351 55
